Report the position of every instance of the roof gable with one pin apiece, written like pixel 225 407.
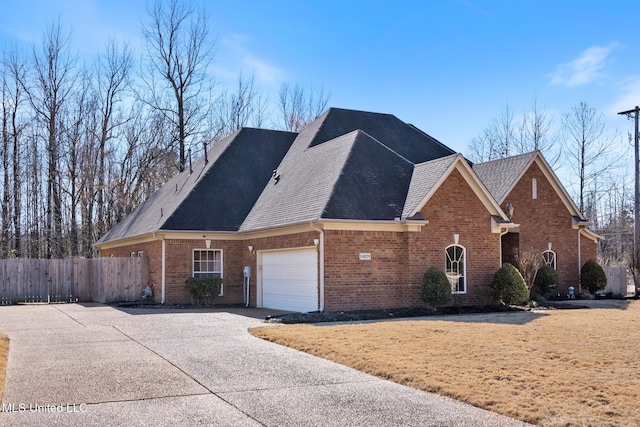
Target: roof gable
pixel 425 179
pixel 501 176
pixel 429 176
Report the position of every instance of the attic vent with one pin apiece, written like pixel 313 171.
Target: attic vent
pixel 534 188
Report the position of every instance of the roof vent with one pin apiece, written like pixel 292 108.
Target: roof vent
pixel 276 176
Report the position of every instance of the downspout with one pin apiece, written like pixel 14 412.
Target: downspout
pixel 502 233
pixel 164 266
pixel 321 268
pixel 579 261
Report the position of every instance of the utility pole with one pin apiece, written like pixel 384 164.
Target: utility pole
pixel 636 202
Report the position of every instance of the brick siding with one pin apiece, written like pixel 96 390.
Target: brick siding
pixel 546 219
pixel 393 276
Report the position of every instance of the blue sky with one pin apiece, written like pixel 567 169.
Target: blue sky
pixel 447 66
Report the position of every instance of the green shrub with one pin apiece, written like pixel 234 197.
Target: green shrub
pixel 508 285
pixel 436 289
pixel 592 277
pixel 546 279
pixel 204 290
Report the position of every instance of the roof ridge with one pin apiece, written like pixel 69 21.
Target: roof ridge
pixel 529 153
pixel 360 131
pixel 439 159
pixel 420 131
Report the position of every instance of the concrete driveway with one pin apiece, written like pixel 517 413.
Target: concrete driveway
pixel 90 364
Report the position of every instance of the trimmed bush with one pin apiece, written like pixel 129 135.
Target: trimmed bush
pixel 436 289
pixel 508 285
pixel 592 277
pixel 546 278
pixel 204 290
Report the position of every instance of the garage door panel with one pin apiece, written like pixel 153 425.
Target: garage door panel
pixel 290 280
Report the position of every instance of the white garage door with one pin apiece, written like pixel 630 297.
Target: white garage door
pixel 290 280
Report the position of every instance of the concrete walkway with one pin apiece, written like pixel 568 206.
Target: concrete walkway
pixel 90 364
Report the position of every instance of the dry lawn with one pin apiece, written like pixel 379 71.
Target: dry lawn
pixel 552 368
pixel 4 352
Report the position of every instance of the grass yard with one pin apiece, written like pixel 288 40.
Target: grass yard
pixel 551 368
pixel 4 352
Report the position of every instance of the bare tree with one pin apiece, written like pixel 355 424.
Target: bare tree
pixel 529 262
pixel 299 106
pixel 113 73
pixel 47 88
pixel 497 140
pixel 586 147
pixel 235 109
pixel 5 105
pixel 75 136
pixel 178 54
pixel 16 69
pixel 506 135
pixel 534 133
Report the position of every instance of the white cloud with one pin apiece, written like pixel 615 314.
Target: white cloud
pixel 264 72
pixel 584 69
pixel 248 62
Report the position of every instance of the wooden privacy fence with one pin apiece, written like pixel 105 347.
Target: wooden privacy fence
pixel 618 281
pixel 101 280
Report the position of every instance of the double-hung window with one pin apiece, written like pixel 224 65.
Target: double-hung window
pixel 207 263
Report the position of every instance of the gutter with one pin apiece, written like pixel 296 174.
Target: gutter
pixel 321 267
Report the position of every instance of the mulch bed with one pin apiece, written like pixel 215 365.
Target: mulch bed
pixel 359 315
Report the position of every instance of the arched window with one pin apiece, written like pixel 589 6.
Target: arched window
pixel 456 268
pixel 549 258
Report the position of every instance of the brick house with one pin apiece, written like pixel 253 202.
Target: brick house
pixel 548 220
pixel 348 214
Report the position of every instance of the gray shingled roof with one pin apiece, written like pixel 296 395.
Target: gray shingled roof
pixel 373 184
pixel 406 140
pixel 425 176
pixel 500 176
pixel 345 165
pixel 307 179
pixel 353 177
pixel 218 195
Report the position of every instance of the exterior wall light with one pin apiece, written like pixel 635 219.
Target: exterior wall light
pixel 316 242
pixel 509 208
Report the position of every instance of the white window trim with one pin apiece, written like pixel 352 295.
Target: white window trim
pixel 555 259
pixel 464 268
pixel 193 272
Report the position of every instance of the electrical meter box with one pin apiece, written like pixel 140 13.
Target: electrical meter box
pixel 247 271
